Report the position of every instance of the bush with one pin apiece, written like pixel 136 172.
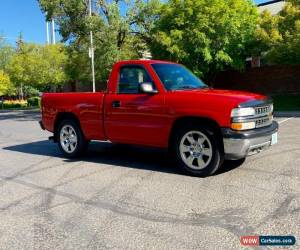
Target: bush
pixel 34 101
pixel 10 104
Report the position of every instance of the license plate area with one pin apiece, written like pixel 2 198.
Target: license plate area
pixel 274 139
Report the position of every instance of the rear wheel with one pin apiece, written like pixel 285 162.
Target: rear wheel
pixel 70 139
pixel 197 150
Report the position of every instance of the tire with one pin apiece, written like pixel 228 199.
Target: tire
pixel 197 150
pixel 70 138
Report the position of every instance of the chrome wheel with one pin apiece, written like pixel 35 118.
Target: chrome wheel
pixel 68 139
pixel 195 150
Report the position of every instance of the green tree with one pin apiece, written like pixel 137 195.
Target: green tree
pixel 287 50
pixel 267 34
pixel 277 37
pixel 41 67
pixel 206 35
pixel 6 87
pixel 115 25
pixel 6 53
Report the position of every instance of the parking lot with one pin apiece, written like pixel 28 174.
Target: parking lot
pixel 121 196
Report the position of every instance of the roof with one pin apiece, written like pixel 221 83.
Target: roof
pixel 274 6
pixel 270 2
pixel 143 61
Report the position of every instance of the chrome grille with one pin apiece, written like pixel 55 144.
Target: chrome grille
pixel 263 116
pixel 263 110
pixel 264 121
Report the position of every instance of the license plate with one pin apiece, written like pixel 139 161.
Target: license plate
pixel 274 139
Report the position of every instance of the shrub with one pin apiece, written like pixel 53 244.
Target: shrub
pixel 34 101
pixel 9 104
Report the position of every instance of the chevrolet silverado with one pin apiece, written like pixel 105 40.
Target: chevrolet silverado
pixel 163 104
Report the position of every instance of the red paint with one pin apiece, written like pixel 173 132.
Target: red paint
pixel 142 119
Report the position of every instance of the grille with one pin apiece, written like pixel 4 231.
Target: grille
pixel 263 110
pixel 262 122
pixel 263 115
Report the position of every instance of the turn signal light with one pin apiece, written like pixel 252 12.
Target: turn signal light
pixel 242 125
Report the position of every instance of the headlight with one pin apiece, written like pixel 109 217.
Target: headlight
pixel 271 108
pixel 240 112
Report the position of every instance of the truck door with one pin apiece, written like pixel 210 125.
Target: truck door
pixel 134 117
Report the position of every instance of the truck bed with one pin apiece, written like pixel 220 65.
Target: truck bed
pixel 87 106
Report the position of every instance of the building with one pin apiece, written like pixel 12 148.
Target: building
pixel 274 6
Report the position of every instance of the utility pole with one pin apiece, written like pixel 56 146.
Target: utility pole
pixel 91 49
pixel 47 31
pixel 53 32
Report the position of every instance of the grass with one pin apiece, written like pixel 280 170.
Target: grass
pixel 287 102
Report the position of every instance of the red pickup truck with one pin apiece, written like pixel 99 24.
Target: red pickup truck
pixel 162 104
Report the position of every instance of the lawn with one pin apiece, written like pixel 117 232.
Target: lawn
pixel 287 102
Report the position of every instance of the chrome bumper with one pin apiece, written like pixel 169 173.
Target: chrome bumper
pixel 238 145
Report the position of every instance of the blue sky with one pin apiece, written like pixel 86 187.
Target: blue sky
pixel 25 16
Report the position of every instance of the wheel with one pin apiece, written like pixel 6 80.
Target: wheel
pixel 197 150
pixel 70 139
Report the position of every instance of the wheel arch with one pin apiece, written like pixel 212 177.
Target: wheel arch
pixel 186 120
pixel 64 116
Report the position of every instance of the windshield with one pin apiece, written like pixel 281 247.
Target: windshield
pixel 177 77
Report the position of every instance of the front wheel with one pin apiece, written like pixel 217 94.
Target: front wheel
pixel 70 139
pixel 198 150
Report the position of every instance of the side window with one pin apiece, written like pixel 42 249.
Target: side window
pixel 130 78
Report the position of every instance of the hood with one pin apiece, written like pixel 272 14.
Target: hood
pixel 210 103
pixel 231 95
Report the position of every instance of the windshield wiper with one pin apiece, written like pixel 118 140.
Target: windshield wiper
pixel 190 87
pixel 187 87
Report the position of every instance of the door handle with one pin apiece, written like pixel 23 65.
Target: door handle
pixel 116 104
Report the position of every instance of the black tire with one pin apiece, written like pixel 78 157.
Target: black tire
pixel 82 144
pixel 216 156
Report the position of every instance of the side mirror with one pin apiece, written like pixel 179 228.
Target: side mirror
pixel 147 88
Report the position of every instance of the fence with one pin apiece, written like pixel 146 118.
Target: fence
pixel 277 79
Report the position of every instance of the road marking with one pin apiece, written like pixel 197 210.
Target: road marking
pixel 285 120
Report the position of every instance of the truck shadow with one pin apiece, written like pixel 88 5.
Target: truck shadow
pixel 116 155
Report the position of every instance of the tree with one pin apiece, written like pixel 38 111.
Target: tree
pixel 6 87
pixel 278 37
pixel 6 53
pixel 115 27
pixel 41 67
pixel 267 34
pixel 206 35
pixel 287 50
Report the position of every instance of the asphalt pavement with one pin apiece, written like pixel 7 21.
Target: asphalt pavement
pixel 126 197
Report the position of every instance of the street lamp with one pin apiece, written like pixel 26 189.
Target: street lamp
pixel 91 49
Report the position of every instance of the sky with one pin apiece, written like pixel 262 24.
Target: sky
pixel 25 16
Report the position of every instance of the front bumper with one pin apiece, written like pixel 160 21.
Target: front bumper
pixel 238 145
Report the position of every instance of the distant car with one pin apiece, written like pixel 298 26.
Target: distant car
pixel 162 104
